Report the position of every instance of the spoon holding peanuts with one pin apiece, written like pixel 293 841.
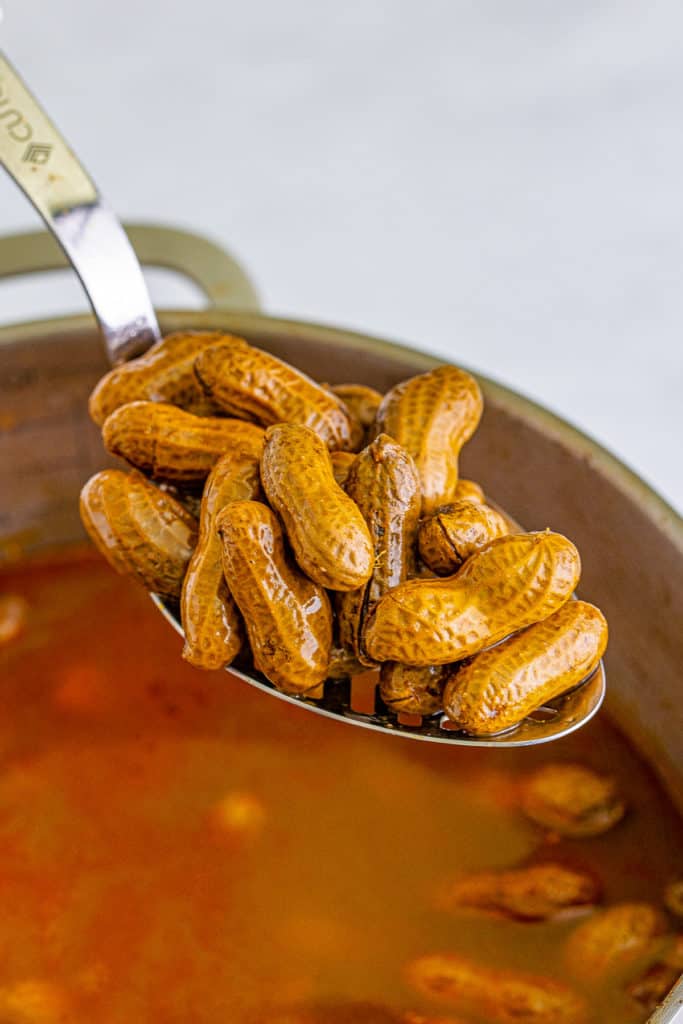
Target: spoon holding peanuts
pixel 315 539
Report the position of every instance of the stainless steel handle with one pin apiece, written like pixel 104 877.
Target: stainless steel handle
pixel 34 153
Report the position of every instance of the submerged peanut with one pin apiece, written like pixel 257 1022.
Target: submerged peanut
pixel 171 444
pixel 13 616
pixel 454 532
pixel 140 530
pixel 432 416
pixel 506 586
pixel 572 800
pixel 651 986
pixel 165 373
pixel 495 995
pixel 501 686
pixel 248 381
pixel 211 622
pixel 609 941
pixel 287 617
pixel 384 484
pixel 411 690
pixel 673 897
pixel 325 527
pixel 538 892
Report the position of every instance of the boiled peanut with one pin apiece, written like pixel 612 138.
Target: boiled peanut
pixel 538 892
pixel 384 484
pixel 211 621
pixel 287 617
pixel 325 527
pixel 140 530
pixel 171 444
pixel 572 800
pixel 494 995
pixel 341 466
pixel 511 583
pixel 468 490
pixel 165 373
pixel 612 939
pixel 247 381
pixel 454 532
pixel 362 403
pixel 652 985
pixel 411 690
pixel 501 686
pixel 343 663
pixel 673 897
pixel 432 416
pixel 13 616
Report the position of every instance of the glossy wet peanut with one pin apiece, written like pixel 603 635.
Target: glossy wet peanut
pixel 494 995
pixel 506 586
pixel 165 373
pixel 572 800
pixel 211 621
pixel 246 381
pixel 501 686
pixel 538 892
pixel 140 530
pixel 454 532
pixel 170 444
pixel 343 663
pixel 384 484
pixel 341 466
pixel 468 490
pixel 362 403
pixel 432 416
pixel 328 534
pixel 287 617
pixel 610 940
pixel 410 690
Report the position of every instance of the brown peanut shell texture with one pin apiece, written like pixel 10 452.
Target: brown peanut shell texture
pixel 328 534
pixel 287 617
pixel 454 532
pixel 501 686
pixel 468 490
pixel 495 995
pixel 343 663
pixel 610 940
pixel 649 988
pixel 432 416
pixel 165 373
pixel 140 530
pixel 174 445
pixel 384 484
pixel 572 799
pixel 341 466
pixel 506 586
pixel 362 403
pixel 412 690
pixel 246 381
pixel 538 892
pixel 211 621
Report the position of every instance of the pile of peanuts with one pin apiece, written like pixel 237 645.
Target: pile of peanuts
pixel 334 535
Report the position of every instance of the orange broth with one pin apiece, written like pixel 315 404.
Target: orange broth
pixel 178 847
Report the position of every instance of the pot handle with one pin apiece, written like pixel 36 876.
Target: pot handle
pixel 222 279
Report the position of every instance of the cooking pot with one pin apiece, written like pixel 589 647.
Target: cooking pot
pixel 544 471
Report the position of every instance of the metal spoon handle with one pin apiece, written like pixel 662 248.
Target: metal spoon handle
pixel 44 166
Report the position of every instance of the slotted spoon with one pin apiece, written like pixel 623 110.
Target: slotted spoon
pixel 46 169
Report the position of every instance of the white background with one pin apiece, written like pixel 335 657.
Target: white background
pixel 500 182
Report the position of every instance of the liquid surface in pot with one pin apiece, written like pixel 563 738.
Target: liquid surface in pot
pixel 177 847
